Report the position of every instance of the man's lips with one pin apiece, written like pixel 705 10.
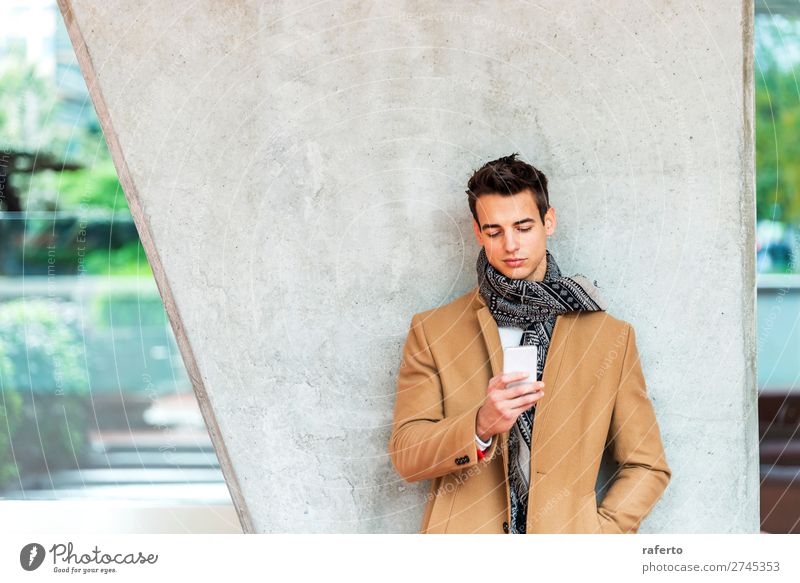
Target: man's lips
pixel 514 262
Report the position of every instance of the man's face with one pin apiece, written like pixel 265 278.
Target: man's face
pixel 509 228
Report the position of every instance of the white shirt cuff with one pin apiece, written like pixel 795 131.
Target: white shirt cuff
pixel 482 444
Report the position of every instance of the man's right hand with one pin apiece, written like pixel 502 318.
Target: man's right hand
pixel 502 405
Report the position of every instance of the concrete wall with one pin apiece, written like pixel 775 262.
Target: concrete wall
pixel 298 174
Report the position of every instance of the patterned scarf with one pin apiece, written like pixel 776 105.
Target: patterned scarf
pixel 534 307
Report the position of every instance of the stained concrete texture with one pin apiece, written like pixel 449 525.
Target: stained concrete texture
pixel 297 174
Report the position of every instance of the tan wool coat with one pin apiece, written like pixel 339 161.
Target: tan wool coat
pixel 595 399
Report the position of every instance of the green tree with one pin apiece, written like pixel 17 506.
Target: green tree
pixel 777 112
pixel 26 100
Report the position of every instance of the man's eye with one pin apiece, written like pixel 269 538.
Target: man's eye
pixel 493 235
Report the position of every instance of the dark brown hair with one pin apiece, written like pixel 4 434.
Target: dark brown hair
pixel 508 176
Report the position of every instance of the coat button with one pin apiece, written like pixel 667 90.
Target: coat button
pixel 505 527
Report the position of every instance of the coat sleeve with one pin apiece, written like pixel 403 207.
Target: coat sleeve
pixel 635 440
pixel 425 443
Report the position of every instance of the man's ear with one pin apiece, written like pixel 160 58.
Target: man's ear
pixel 550 221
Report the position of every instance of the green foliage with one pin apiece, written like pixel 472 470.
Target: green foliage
pixel 44 410
pixel 115 311
pixel 40 337
pixel 777 103
pixel 10 420
pixel 33 118
pixel 127 260
pixel 28 123
pixel 26 100
pixel 96 186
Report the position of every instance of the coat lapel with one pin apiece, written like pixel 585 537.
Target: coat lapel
pixel 491 337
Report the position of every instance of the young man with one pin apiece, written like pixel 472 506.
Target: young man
pixel 494 469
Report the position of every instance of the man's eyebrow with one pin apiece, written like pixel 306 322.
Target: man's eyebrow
pixel 520 222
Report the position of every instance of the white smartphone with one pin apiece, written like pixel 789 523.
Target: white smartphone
pixel 520 359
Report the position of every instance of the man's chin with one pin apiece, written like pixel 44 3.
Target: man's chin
pixel 514 273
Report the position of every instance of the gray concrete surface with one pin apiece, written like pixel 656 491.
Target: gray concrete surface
pixel 297 176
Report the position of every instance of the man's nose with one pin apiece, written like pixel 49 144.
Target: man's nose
pixel 511 243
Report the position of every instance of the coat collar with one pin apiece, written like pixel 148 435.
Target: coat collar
pixel 491 337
